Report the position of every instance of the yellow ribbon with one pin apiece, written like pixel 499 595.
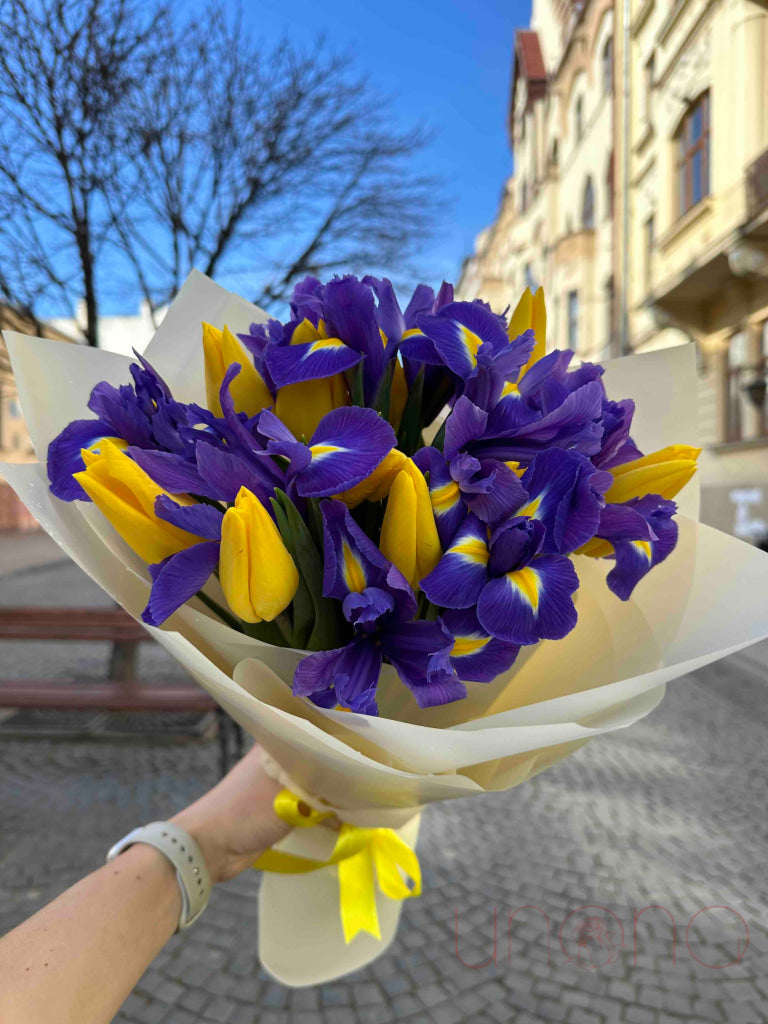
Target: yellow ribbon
pixel 363 856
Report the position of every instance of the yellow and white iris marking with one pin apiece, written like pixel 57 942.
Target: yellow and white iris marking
pixel 526 582
pixel 472 550
pixel 510 388
pixel 463 646
pixel 530 508
pixel 354 574
pixel 644 546
pixel 444 498
pixel 471 342
pixel 322 344
pixel 318 450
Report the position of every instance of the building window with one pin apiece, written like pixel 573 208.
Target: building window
pixel 578 119
pixel 14 409
pixel 588 206
pixel 553 159
pixel 573 320
pixel 524 196
pixel 530 280
pixel 650 75
pixel 608 66
pixel 609 188
pixel 650 241
pixel 693 155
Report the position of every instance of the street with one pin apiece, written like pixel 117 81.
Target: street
pixel 668 815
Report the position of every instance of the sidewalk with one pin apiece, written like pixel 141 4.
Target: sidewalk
pixel 25 549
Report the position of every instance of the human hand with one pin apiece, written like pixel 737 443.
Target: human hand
pixel 234 822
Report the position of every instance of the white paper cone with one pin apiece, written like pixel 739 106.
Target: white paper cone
pixel 706 600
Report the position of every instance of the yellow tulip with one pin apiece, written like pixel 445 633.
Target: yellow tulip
pixel 408 534
pixel 398 396
pixel 530 314
pixel 664 472
pixel 301 406
pixel 377 486
pixel 126 495
pixel 248 390
pixel 258 575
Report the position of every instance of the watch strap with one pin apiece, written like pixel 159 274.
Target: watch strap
pixel 185 855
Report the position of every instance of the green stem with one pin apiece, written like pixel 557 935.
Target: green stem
pixel 223 614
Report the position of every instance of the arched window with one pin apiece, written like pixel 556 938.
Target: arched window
pixel 588 206
pixel 578 119
pixel 608 66
pixel 693 155
pixel 524 196
pixel 554 155
pixel 609 187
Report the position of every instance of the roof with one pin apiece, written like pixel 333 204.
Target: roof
pixel 528 64
pixel 528 52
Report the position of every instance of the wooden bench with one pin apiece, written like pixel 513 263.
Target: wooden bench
pixel 122 691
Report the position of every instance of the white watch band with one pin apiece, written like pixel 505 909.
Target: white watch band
pixel 184 853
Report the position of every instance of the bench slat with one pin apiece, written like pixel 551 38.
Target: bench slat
pixel 79 696
pixel 70 624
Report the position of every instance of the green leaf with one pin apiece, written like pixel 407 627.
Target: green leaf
pixel 315 521
pixel 355 384
pixel 409 435
pixel 302 606
pixel 267 632
pixel 325 633
pixel 381 400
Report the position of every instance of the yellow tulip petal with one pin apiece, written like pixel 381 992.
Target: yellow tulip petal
pixel 234 565
pixel 258 575
pixel 398 531
pixel 126 496
pixel 248 390
pixel 301 406
pixel 375 487
pixel 428 550
pixel 522 317
pixel 664 472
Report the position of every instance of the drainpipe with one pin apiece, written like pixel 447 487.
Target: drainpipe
pixel 624 332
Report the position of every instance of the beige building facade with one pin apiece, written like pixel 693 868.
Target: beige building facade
pixel 639 201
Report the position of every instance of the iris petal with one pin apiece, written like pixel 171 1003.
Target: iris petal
pixel 476 655
pixel 531 604
pixel 178 579
pixel 461 574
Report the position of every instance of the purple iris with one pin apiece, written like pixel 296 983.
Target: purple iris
pixel 380 607
pixel 521 595
pixel 348 444
pixel 227 455
pixel 643 533
pixel 476 655
pixel 144 414
pixel 464 484
pixel 178 578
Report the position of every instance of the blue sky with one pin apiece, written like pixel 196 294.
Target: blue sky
pixel 447 62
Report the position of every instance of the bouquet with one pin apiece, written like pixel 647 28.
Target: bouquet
pixel 411 551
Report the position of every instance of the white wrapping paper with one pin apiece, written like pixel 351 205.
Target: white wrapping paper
pixel 708 599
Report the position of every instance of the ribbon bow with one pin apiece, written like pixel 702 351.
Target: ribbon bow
pixel 363 856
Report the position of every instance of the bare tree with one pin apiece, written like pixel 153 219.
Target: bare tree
pixel 136 144
pixel 271 161
pixel 68 69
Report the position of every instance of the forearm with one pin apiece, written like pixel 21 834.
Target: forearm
pixel 85 951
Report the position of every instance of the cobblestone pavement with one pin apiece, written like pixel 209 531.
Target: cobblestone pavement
pixel 670 813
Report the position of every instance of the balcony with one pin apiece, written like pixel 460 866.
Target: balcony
pixel 757 186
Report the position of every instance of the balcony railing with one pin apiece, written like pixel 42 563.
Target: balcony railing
pixel 757 185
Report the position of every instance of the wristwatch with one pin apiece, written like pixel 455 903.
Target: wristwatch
pixel 184 853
